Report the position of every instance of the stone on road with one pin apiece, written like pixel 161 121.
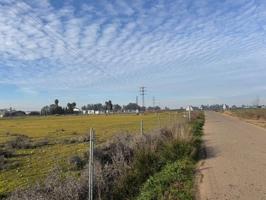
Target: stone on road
pixel 235 165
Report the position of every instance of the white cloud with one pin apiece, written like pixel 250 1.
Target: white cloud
pixel 113 45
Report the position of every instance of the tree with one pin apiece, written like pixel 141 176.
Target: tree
pixel 132 106
pixel 108 106
pixel 56 102
pixel 45 110
pixel 70 107
pixel 117 108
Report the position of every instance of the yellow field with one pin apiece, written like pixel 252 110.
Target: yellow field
pixel 35 164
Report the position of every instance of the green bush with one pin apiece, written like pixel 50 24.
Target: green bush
pixel 173 182
pixel 147 163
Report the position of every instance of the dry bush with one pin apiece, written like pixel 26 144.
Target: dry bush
pixel 79 139
pixel 19 142
pixel 76 162
pixel 55 187
pixel 5 163
pixel 7 153
pixel 24 142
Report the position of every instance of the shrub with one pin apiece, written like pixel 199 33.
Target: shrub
pixel 6 153
pixel 6 164
pixel 173 182
pixel 3 162
pixel 40 143
pixel 20 142
pixel 55 187
pixel 24 142
pixel 79 139
pixel 76 162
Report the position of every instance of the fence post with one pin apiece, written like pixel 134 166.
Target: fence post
pixel 159 120
pixel 91 165
pixel 141 127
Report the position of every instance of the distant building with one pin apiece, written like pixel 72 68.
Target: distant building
pixel 3 112
pixel 225 107
pixel 76 110
pixel 88 112
pixel 14 114
pixel 189 108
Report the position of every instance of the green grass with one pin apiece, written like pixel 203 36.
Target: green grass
pixel 35 164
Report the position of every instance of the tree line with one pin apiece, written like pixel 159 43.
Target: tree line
pixel 54 109
pixel 107 107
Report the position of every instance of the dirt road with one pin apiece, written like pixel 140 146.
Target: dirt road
pixel 235 166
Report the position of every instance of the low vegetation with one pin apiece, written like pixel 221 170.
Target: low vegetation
pixel 128 166
pixel 173 182
pixel 256 114
pixel 37 144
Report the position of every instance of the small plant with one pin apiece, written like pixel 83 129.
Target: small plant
pixel 20 142
pixel 40 143
pixel 76 162
pixel 6 153
pixel 24 142
pixel 5 163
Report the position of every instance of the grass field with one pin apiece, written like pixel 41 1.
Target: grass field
pixel 35 163
pixel 254 116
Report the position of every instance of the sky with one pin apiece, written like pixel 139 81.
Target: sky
pixel 183 51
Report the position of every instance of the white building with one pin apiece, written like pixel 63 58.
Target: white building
pixel 225 107
pixel 91 112
pixel 3 112
pixel 189 108
pixel 76 110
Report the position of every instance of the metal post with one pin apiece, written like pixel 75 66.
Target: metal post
pixel 141 127
pixel 159 120
pixel 189 116
pixel 91 165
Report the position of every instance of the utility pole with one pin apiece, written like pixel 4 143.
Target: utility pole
pixel 153 102
pixel 137 100
pixel 142 94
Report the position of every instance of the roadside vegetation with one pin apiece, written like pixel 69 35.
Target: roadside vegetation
pixel 30 147
pixel 255 116
pixel 157 165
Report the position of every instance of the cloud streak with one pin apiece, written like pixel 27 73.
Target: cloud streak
pixel 113 44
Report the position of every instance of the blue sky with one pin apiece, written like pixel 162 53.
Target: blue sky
pixel 183 51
